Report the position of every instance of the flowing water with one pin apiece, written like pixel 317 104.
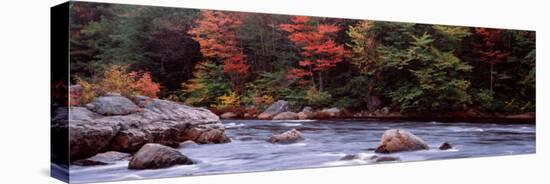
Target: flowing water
pixel 325 144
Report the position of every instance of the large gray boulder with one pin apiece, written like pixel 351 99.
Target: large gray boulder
pixel 398 140
pixel 87 136
pixel 286 116
pixel 274 109
pixel 113 104
pixel 155 156
pixel 288 137
pixel 159 121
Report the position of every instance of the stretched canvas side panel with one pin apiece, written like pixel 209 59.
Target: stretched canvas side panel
pixel 59 16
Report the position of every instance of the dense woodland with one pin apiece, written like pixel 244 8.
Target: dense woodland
pixel 228 60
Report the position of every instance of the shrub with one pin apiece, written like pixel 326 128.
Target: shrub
pixel 317 98
pixel 229 100
pixel 116 79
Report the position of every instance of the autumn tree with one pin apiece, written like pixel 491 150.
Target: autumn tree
pixel 216 33
pixel 489 51
pixel 318 49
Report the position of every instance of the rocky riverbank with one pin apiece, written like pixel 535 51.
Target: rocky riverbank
pixel 280 110
pixel 116 123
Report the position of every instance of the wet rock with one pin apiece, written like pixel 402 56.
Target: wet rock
pixel 350 157
pixel 286 116
pixel 288 137
pixel 112 104
pixel 154 156
pixel 228 115
pixel 212 136
pixel 398 140
pixel 106 158
pixel 378 159
pixel 305 115
pixel 274 109
pixel 445 146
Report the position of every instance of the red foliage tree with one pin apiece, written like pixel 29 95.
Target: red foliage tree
pixel 489 49
pixel 216 33
pixel 145 85
pixel 318 48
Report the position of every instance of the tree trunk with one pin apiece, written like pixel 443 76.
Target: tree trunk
pixel 491 82
pixel 320 81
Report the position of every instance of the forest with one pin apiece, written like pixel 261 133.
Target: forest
pixel 235 61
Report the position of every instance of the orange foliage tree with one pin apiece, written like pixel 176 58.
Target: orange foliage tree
pixel 319 50
pixel 216 33
pixel 116 79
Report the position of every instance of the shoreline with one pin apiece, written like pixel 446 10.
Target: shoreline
pixel 480 120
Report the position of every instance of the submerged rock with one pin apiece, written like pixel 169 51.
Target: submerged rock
pixel 288 137
pixel 274 109
pixel 351 157
pixel 397 140
pixel 154 156
pixel 445 146
pixel 106 158
pixel 378 159
pixel 286 116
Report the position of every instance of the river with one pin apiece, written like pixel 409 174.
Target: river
pixel 327 141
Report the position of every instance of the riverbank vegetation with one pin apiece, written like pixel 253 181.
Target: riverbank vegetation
pixel 232 61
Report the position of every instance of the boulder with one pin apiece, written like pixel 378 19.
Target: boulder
pixel 159 121
pixel 398 140
pixel 106 158
pixel 351 157
pixel 445 146
pixel 274 109
pixel 129 140
pixel 288 137
pixel 305 115
pixel 154 156
pixel 332 112
pixel 212 136
pixel 286 116
pixel 112 104
pixel 307 109
pixel 88 137
pixel 228 115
